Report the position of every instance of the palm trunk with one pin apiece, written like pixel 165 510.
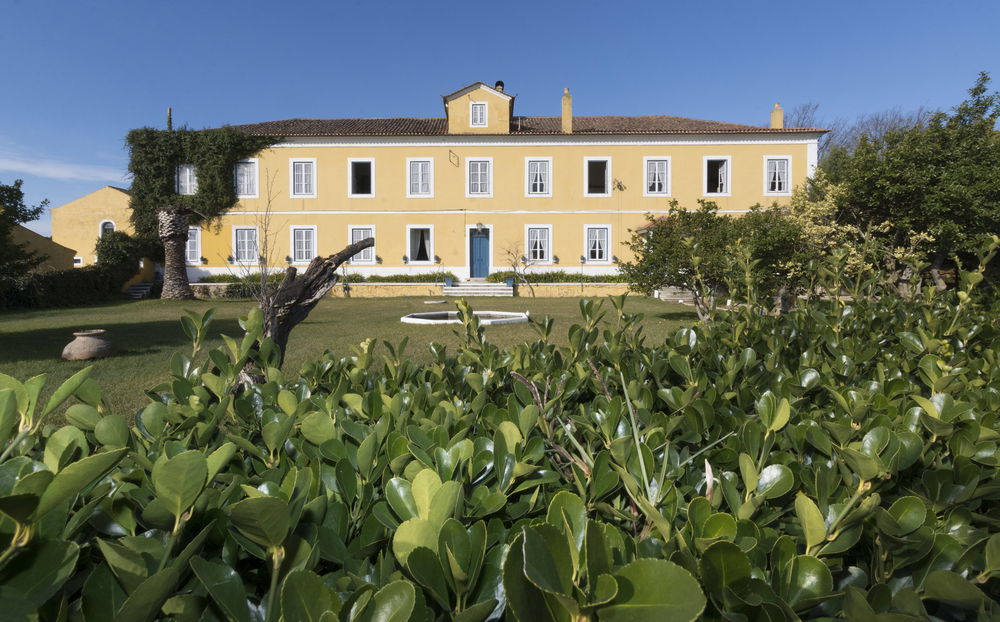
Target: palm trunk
pixel 172 223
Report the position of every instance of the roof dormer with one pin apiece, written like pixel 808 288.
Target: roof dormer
pixel 479 109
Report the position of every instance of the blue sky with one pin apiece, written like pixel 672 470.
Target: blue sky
pixel 78 75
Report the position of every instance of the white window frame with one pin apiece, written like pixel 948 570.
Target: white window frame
pixel 468 175
pixel 291 243
pixel 430 175
pixel 472 116
pixel 645 173
pixel 78 262
pixel 291 178
pixel 527 177
pixel 607 176
pixel 358 259
pixel 100 227
pixel 350 178
pixel 236 256
pixel 192 173
pixel 729 176
pixel 527 245
pixel 788 176
pixel 409 251
pixel 607 250
pixel 197 245
pixel 256 179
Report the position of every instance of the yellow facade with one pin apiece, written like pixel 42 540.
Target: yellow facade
pixel 56 256
pixel 468 198
pixel 79 224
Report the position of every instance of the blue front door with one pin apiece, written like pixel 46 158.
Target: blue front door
pixel 479 253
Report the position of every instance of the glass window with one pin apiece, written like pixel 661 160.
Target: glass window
pixel 538 243
pixel 479 177
pixel 597 243
pixel 362 178
pixel 717 176
pixel 303 178
pixel 192 252
pixel 656 177
pixel 777 175
pixel 246 246
pixel 420 244
pixel 246 178
pixel 538 177
pixel 107 227
pixel 303 244
pixel 478 115
pixel 419 177
pixel 368 254
pixel 187 180
pixel 597 177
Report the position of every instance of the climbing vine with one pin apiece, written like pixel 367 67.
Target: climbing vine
pixel 156 154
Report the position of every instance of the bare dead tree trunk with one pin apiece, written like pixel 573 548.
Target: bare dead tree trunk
pixel 936 266
pixel 172 227
pixel 296 296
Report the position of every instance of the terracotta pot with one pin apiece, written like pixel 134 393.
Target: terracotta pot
pixel 89 344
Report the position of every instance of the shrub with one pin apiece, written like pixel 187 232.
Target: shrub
pixel 557 276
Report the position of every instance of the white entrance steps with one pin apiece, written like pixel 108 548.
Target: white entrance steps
pixel 139 290
pixel 478 288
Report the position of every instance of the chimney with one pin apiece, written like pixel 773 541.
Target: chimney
pixel 499 86
pixel 567 112
pixel 777 118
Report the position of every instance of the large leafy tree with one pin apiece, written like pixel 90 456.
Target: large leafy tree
pixel 15 259
pixel 159 212
pixel 940 178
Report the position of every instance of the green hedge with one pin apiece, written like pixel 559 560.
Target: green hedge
pixel 559 276
pixel 246 286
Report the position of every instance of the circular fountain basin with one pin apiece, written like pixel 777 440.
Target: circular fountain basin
pixel 486 318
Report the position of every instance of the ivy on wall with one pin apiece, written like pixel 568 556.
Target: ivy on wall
pixel 156 154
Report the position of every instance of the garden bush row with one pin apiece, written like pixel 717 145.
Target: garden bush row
pixel 556 276
pixel 837 461
pixel 248 286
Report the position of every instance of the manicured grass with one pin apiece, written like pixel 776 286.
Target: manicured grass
pixel 147 332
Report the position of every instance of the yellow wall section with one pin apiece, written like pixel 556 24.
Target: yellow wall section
pixel 56 256
pixel 497 113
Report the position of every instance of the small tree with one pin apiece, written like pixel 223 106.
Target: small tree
pixel 16 259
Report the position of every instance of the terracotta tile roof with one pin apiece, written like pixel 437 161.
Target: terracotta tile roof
pixel 519 126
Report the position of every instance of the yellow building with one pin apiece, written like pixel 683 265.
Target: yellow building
pixel 80 223
pixel 479 188
pixel 55 256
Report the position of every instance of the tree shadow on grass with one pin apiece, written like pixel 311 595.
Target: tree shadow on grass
pixel 677 316
pixel 130 339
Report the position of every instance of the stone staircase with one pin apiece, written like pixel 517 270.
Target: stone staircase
pixel 139 291
pixel 478 287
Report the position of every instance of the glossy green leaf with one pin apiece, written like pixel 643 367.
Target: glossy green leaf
pixel 225 587
pixel 411 534
pixel 305 598
pixel 34 575
pixel 77 477
pixel 811 520
pixel 179 480
pixel 654 589
pixel 263 520
pixel 775 480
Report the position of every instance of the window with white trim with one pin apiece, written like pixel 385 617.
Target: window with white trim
pixel 303 244
pixel 598 177
pixel 479 178
pixel 362 177
pixel 776 180
pixel 304 178
pixel 421 244
pixel 717 176
pixel 419 177
pixel 597 243
pixel 107 227
pixel 192 251
pixel 245 242
pixel 657 180
pixel 538 244
pixel 538 181
pixel 477 114
pixel 78 261
pixel 245 174
pixel 187 179
pixel 358 234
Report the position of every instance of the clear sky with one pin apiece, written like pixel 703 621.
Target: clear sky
pixel 77 75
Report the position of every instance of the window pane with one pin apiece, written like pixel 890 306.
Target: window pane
pixel 192 254
pixel 420 244
pixel 538 244
pixel 597 177
pixel 302 178
pixel 597 244
pixel 361 177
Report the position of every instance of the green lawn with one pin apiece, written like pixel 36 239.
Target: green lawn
pixel 147 332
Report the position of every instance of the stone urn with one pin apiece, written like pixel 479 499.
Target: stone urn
pixel 89 344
